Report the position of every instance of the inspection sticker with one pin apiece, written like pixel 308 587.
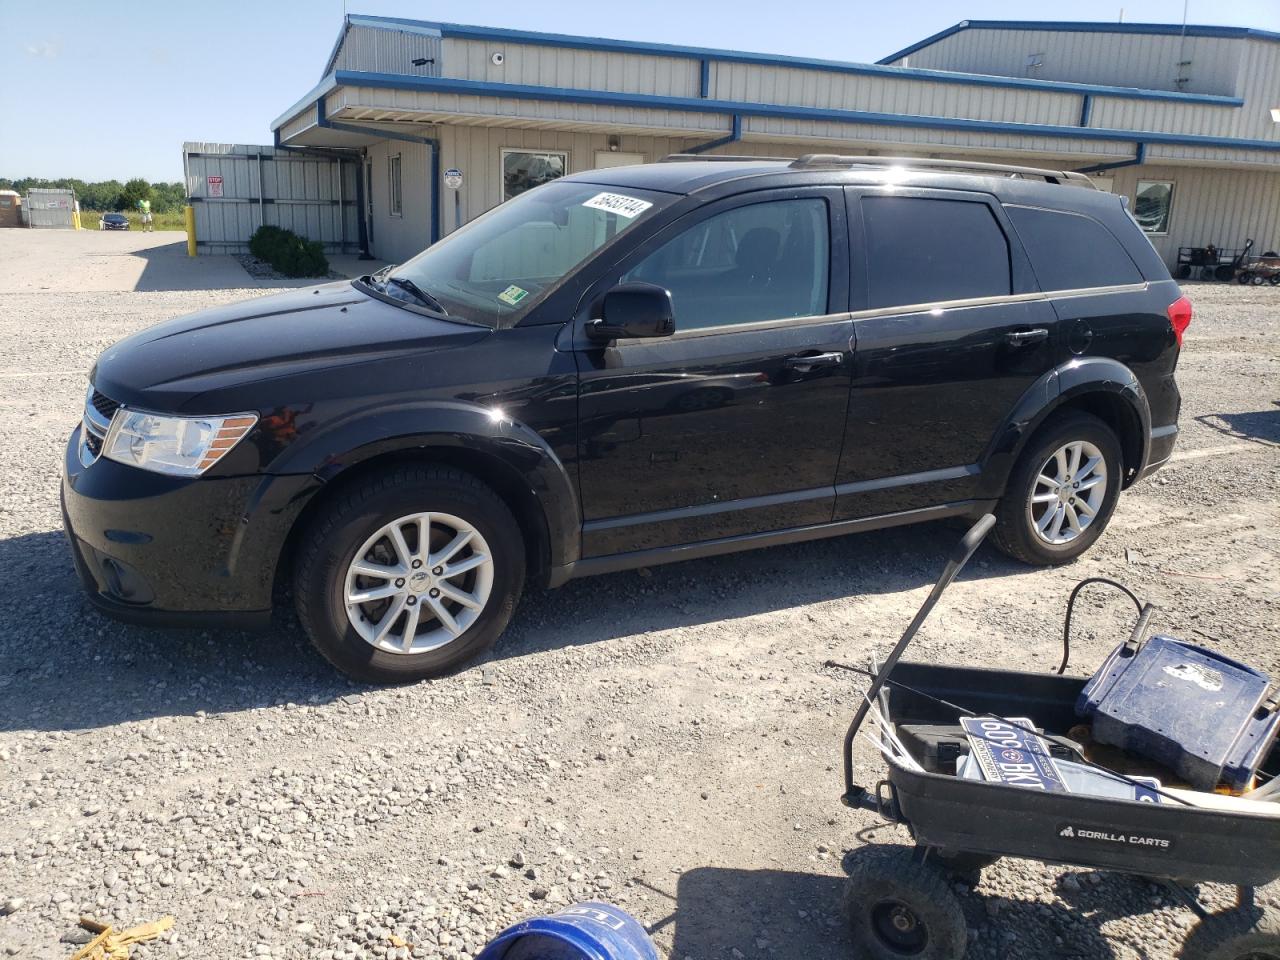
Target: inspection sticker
pixel 617 203
pixel 1012 755
pixel 513 295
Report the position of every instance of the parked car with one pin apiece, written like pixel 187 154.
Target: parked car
pixel 627 367
pixel 113 221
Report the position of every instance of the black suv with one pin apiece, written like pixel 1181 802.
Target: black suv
pixel 628 367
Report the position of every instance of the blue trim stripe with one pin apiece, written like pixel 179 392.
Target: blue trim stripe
pixel 704 79
pixel 1086 108
pixel 465 32
pixel 1066 26
pixel 480 88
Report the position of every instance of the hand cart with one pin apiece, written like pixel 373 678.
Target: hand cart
pixel 1260 270
pixel 906 907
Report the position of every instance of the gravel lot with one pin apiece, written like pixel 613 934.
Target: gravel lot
pixel 666 739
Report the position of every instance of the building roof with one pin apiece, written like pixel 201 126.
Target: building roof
pixel 1067 26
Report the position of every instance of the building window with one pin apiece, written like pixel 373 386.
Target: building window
pixel 525 169
pixel 394 186
pixel 1153 204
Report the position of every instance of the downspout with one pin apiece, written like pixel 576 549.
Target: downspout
pixel 733 137
pixel 432 142
pixel 1141 155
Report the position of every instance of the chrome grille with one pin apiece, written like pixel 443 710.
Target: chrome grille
pixel 98 412
pixel 103 404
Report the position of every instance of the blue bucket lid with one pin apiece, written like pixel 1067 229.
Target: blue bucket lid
pixel 584 931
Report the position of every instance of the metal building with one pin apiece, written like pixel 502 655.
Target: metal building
pixel 50 207
pixel 444 121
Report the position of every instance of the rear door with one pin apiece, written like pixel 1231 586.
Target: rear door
pixel 950 333
pixel 733 425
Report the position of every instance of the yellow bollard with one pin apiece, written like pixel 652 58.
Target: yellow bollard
pixel 190 213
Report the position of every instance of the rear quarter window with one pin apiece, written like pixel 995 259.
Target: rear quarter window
pixel 1070 251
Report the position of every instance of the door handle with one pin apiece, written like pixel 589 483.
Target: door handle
pixel 811 361
pixel 1020 338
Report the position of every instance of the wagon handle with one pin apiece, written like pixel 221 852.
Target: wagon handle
pixel 854 795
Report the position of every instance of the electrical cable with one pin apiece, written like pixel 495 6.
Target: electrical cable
pixel 1071 603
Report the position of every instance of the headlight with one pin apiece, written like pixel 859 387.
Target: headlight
pixel 180 446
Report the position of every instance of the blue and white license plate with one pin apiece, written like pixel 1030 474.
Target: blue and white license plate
pixel 1013 756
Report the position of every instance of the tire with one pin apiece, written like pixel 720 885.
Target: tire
pixel 1183 272
pixel 899 907
pixel 1015 532
pixel 1245 932
pixel 357 523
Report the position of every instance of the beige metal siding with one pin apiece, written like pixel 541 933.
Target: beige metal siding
pixel 1114 59
pixel 842 91
pixel 1222 207
pixel 387 50
pixel 564 67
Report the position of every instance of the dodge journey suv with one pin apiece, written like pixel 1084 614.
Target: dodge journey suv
pixel 627 367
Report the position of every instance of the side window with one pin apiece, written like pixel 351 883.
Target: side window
pixel 765 261
pixel 922 250
pixel 395 199
pixel 1069 252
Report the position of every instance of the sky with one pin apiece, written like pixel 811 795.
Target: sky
pixel 103 89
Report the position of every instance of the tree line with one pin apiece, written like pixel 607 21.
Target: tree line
pixel 109 195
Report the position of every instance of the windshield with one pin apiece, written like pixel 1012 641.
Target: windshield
pixel 500 265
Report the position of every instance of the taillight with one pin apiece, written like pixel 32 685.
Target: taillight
pixel 1180 317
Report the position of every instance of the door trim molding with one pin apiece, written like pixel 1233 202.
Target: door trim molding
pixel 710 548
pixel 908 479
pixel 708 509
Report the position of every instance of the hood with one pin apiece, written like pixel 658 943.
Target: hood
pixel 284 335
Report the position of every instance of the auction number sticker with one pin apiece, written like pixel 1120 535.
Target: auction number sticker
pixel 513 295
pixel 623 206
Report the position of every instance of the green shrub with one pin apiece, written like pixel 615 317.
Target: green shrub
pixel 288 253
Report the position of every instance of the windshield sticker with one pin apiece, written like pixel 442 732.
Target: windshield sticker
pixel 513 295
pixel 617 203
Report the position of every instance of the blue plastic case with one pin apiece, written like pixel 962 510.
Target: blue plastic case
pixel 1206 717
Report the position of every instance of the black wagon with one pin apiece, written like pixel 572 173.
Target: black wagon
pixel 907 907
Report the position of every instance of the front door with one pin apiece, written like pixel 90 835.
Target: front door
pixel 732 425
pixel 951 332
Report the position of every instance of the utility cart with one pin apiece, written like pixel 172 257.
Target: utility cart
pixel 1260 270
pixel 907 907
pixel 1211 262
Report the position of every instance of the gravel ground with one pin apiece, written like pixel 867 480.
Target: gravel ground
pixel 666 739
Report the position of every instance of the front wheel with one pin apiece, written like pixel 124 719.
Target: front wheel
pixel 1061 493
pixel 409 574
pixel 900 907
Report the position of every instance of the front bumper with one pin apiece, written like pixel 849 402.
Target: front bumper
pixel 174 550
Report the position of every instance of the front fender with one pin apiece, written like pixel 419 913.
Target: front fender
pixel 411 426
pixel 1060 387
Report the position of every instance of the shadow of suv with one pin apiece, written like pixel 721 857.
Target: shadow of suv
pixel 627 367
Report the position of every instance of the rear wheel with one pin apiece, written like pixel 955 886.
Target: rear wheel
pixel 1062 491
pixel 409 574
pixel 900 907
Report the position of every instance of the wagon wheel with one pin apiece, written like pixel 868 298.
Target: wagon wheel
pixel 1275 279
pixel 899 906
pixel 1224 272
pixel 1184 271
pixel 1244 277
pixel 1258 279
pixel 1244 933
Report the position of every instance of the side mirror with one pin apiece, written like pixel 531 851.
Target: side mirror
pixel 634 310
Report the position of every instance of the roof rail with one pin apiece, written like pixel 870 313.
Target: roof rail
pixel 1005 169
pixel 680 157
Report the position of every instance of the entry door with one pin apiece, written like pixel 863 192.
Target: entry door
pixel 732 425
pixel 951 333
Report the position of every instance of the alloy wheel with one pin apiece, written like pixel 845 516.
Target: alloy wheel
pixel 418 583
pixel 1068 492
